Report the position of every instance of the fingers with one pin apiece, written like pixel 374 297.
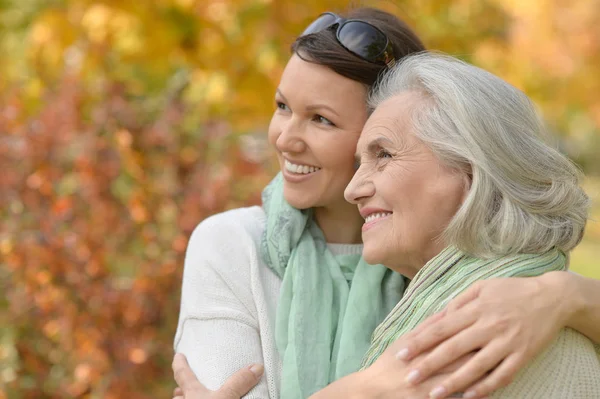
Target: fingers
pixel 430 320
pixel 400 346
pixel 446 353
pixel 424 389
pixel 185 377
pixel 479 365
pixel 177 392
pixel 241 382
pixel 436 332
pixel 500 377
pixel 469 295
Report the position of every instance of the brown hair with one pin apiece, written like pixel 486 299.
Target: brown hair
pixel 323 48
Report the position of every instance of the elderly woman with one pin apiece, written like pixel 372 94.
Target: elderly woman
pixel 456 186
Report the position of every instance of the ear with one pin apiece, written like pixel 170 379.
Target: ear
pixel 467 182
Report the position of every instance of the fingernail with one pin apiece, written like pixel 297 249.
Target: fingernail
pixel 437 392
pixel 402 354
pixel 413 376
pixel 470 394
pixel 257 369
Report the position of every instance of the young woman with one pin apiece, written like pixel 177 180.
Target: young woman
pixel 284 284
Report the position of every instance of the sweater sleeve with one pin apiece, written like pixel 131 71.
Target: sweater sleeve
pixel 218 330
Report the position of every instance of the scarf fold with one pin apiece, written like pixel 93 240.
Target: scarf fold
pixel 323 322
pixel 443 278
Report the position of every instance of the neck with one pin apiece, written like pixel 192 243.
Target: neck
pixel 412 263
pixel 340 225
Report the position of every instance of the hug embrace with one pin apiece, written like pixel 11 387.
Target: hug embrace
pixel 414 245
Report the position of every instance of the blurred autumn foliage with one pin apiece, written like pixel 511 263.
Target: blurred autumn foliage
pixel 125 123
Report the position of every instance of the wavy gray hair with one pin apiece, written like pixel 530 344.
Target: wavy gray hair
pixel 525 196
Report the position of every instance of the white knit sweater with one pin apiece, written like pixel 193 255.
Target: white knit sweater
pixel 229 300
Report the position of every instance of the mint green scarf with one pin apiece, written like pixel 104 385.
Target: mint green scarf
pixel 327 311
pixel 446 276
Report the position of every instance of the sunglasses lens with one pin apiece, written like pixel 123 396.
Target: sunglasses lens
pixel 320 23
pixel 362 39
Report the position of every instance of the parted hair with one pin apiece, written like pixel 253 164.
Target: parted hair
pixel 524 195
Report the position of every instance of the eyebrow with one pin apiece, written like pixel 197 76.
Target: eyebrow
pixel 281 94
pixel 321 106
pixel 312 107
pixel 373 146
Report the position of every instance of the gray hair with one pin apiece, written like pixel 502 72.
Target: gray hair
pixel 525 196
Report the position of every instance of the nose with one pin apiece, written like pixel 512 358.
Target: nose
pixel 290 138
pixel 359 188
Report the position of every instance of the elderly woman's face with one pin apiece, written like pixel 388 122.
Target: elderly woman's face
pixel 406 195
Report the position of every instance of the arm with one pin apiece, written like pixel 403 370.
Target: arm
pixel 387 378
pixel 235 387
pixel 509 321
pixel 583 304
pixel 217 330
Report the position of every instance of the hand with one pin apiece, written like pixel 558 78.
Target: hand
pixel 508 321
pixel 234 388
pixel 387 378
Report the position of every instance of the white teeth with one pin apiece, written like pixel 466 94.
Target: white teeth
pixel 300 169
pixel 374 216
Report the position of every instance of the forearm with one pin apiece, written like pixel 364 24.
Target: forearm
pixel 585 312
pixel 349 387
pixel 382 380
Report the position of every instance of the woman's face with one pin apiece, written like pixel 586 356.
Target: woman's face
pixel 406 195
pixel 314 130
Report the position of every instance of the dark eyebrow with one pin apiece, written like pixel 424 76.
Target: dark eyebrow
pixel 312 107
pixel 374 145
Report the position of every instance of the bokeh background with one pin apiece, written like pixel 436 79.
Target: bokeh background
pixel 123 123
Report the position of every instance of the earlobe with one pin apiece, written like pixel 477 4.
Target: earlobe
pixel 468 177
pixel 467 183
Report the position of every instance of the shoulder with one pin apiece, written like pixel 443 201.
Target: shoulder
pixel 232 226
pixel 226 244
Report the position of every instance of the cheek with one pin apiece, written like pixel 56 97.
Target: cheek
pixel 443 201
pixel 340 156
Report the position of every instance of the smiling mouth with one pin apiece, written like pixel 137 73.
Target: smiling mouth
pixel 377 215
pixel 299 169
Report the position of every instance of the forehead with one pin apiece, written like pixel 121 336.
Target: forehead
pixel 391 119
pixel 307 81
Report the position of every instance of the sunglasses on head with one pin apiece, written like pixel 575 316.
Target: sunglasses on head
pixel 359 37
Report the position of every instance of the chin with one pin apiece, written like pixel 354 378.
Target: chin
pixel 372 256
pixel 297 201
